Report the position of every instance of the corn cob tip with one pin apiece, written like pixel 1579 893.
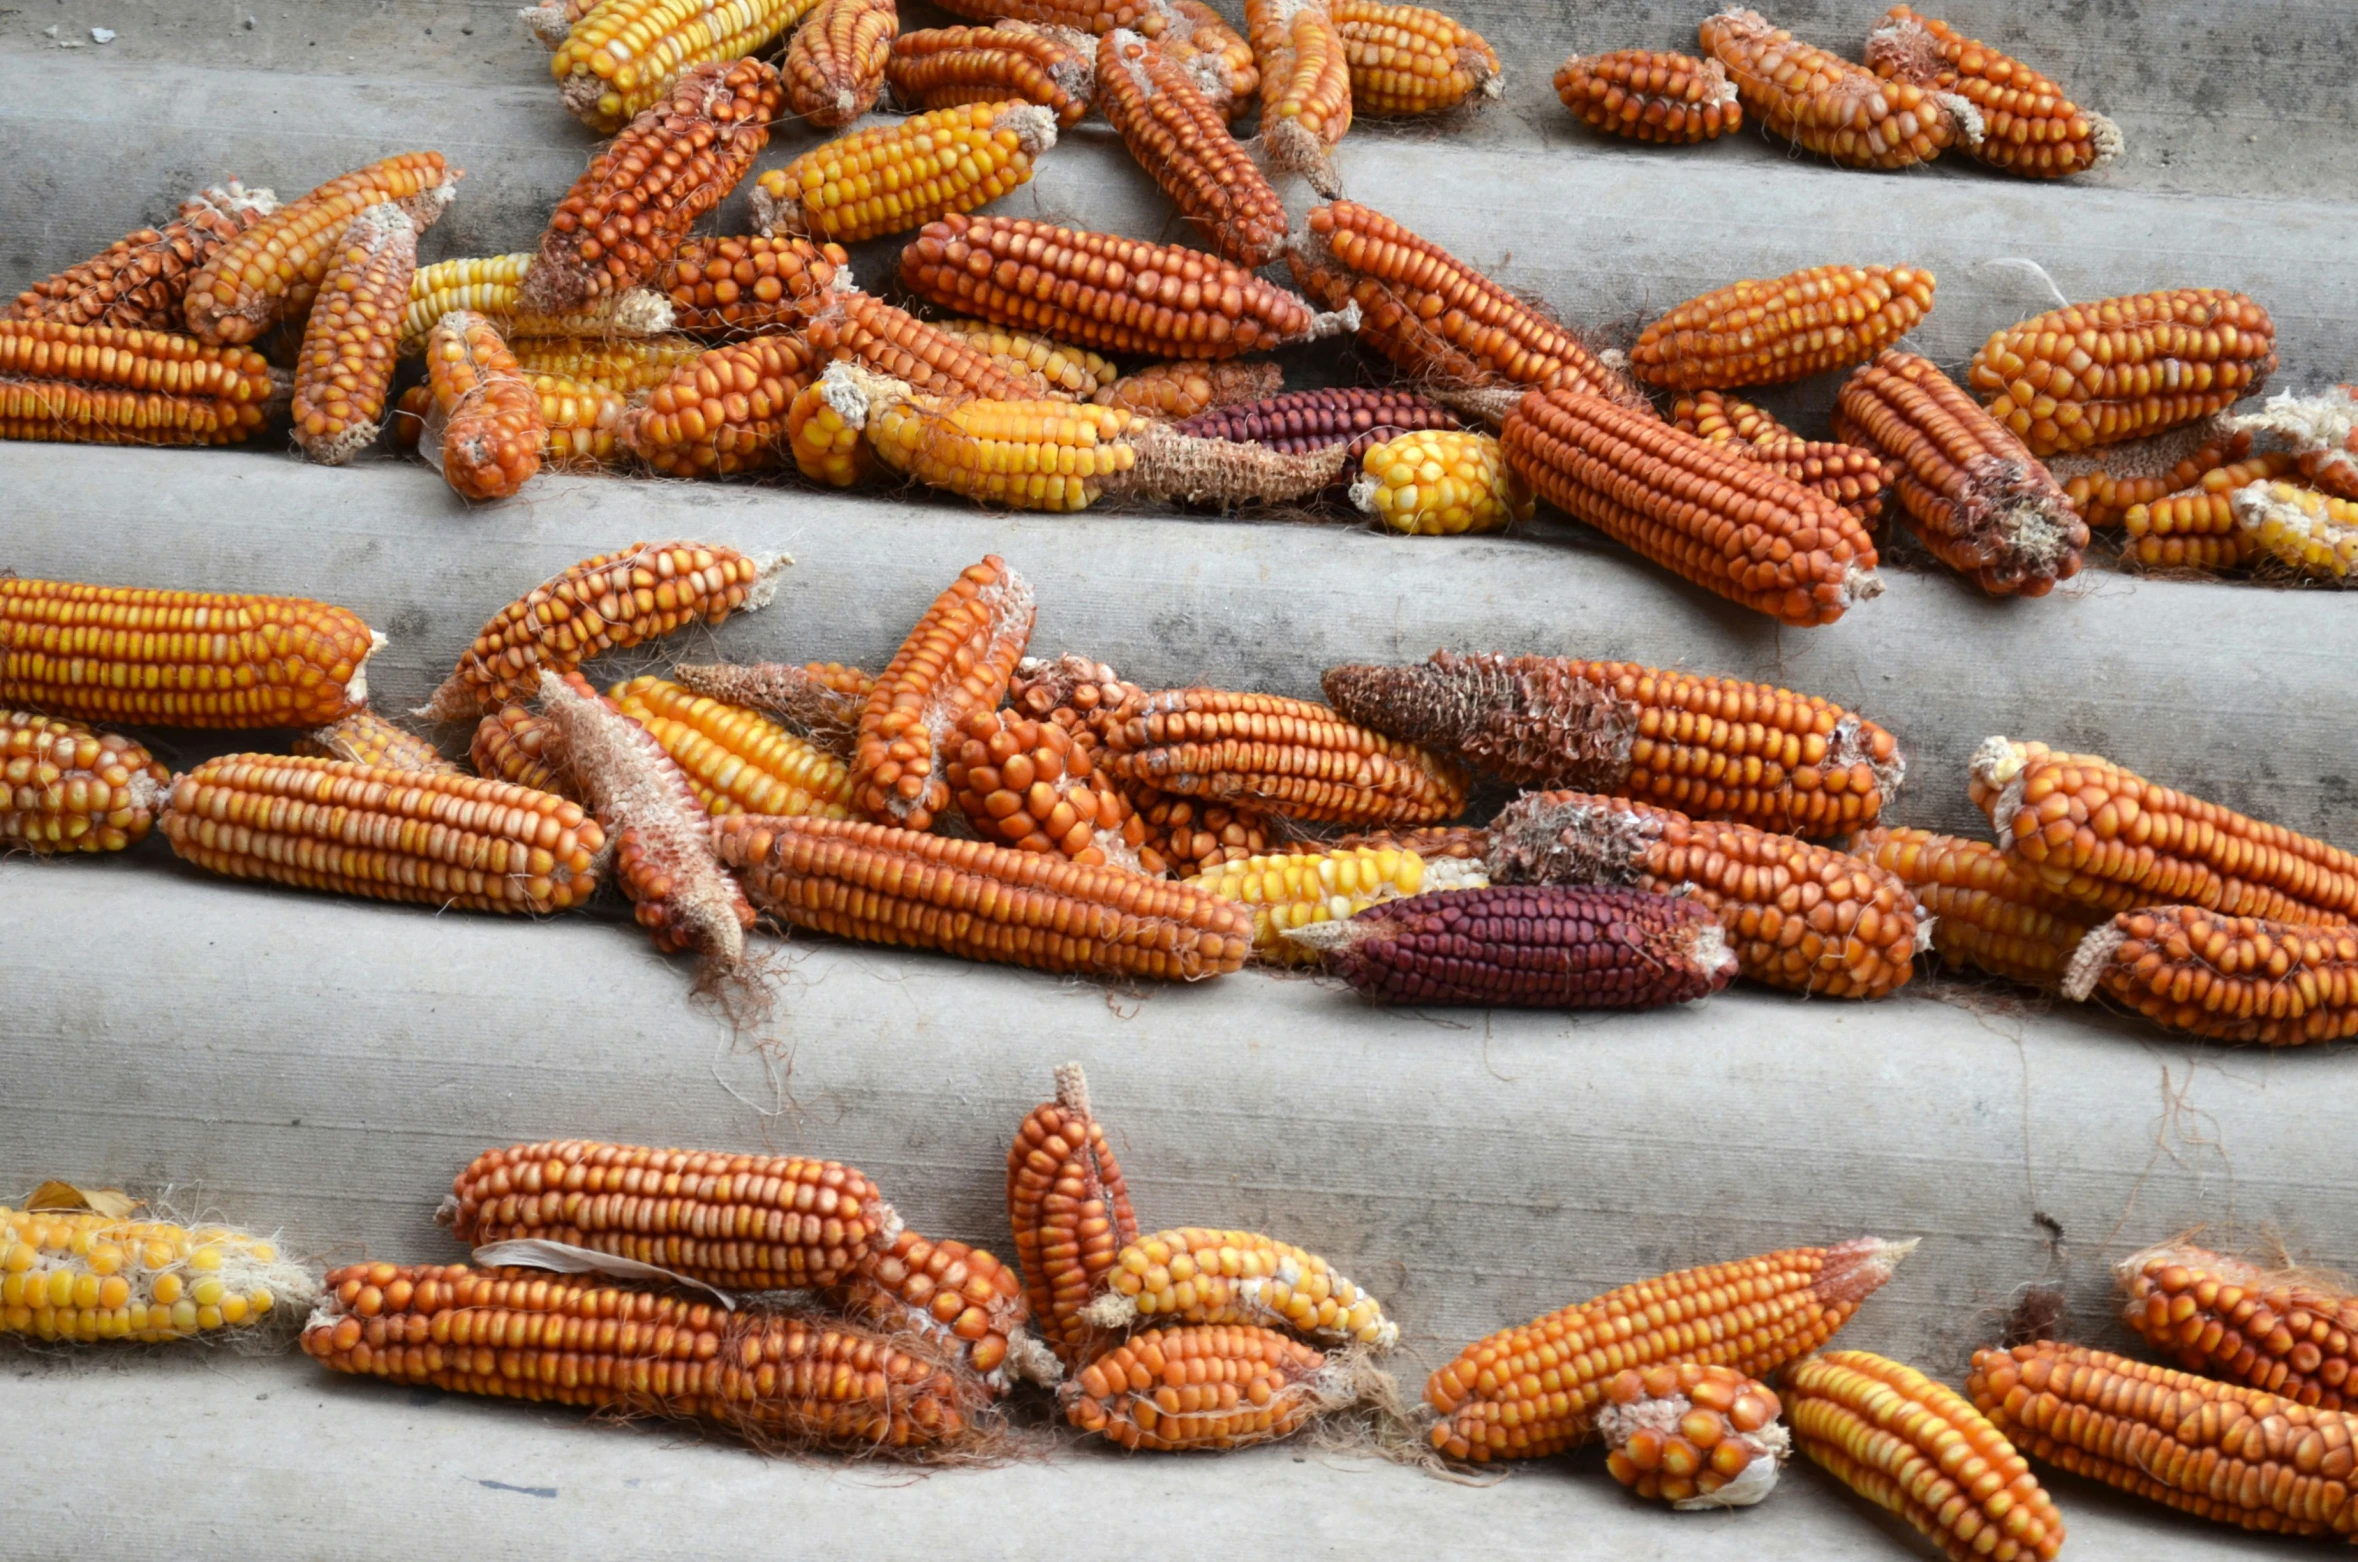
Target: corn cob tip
pixel 1072 1089
pixel 1857 1269
pixel 1034 127
pixel 2089 960
pixel 545 24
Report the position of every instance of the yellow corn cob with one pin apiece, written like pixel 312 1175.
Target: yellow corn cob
pixel 490 433
pixel 835 61
pixel 733 285
pixel 179 658
pixel 721 412
pixel 1176 134
pixel 941 67
pixel 1067 371
pixel 488 286
pixel 1986 912
pixel 2279 983
pixel 366 738
pixel 1441 483
pixel 2197 527
pixel 1069 1210
pixel 103 385
pixel 1695 1437
pixel 1916 1448
pixel 1824 103
pixel 138 281
pixel 736 761
pixel 2280 1333
pixel 1298 889
pixel 1783 329
pixel 623 56
pixel 2022 121
pixel 81 1275
pixel 1650 95
pixel 1195 1275
pixel 65 788
pixel 624 367
pixel 2312 533
pixel 1405 59
pixel 1202 43
pixel 826 448
pixel 1174 392
pixel 1305 86
pixel 1220 1386
pixel 901 175
pixel 513 744
pixel 954 663
pixel 345 371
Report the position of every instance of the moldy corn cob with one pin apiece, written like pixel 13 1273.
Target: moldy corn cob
pixel 485 430
pixel 1695 1437
pixel 1305 74
pixel 2308 532
pixel 366 738
pixel 820 700
pixel 1194 1275
pixel 2319 432
pixel 488 285
pixel 960 1296
pixel 2232 978
pixel 1292 890
pixel 1216 59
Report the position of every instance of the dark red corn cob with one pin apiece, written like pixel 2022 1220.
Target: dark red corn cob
pixel 1304 420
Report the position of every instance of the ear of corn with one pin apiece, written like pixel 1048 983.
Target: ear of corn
pixel 835 60
pixel 942 67
pixel 1064 370
pixel 580 420
pixel 1693 1436
pixel 1299 889
pixel 2282 984
pixel 2103 484
pixel 489 285
pixel 1650 95
pixel 84 1276
pixel 1823 103
pixel 1442 483
pixel 2311 533
pixel 1408 59
pixel 623 366
pixel 179 658
pixel 961 1297
pixel 2230 1320
pixel 2319 432
pixel 1094 17
pixel 485 431
pixel 820 700
pixel 2198 527
pixel 514 744
pixel 1026 784
pixel 904 173
pixel 345 371
pixel 1186 836
pixel 1070 1213
pixel 1201 42
pixel 366 738
pixel 1917 1449
pixel 1434 842
pixel 1783 329
pixel 2215 1450
pixel 104 385
pixel 954 664
pixel 65 788
pixel 858 328
pixel 1305 86
pixel 724 411
pixel 1535 1390
pixel 1194 1275
pixel 1356 417
pixel 1182 141
pixel 734 760
pixel 1175 392
pixel 1076 693
pixel 1216 1386
pixel 1985 912
pixel 2025 123
pixel 735 285
pixel 623 57
pixel 1853 477
pixel 138 281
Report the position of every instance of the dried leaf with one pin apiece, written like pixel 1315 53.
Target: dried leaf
pixel 113 1203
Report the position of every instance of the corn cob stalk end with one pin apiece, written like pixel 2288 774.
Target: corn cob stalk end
pixel 2089 961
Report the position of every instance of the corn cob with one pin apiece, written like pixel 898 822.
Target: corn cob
pixel 1457 842
pixel 1063 370
pixel 82 1275
pixel 513 744
pixel 489 286
pixel 734 760
pixel 609 602
pixel 963 1298
pixel 1290 890
pixel 723 411
pixel 1197 1386
pixel 1070 1212
pixel 835 60
pixel 1854 478
pixel 942 67
pixel 1115 294
pixel 1175 392
pixel 2215 1450
pixel 366 738
pixel 1695 1437
pixel 272 270
pixel 820 700
pixel 1202 43
pixel 744 1222
pixel 624 366
pixel 1305 87
pixel 1434 316
pixel 1193 1275
pixel 438 840
pixel 179 658
pixel 1186 836
pixel 1650 95
pixel 1528 1392
pixel 1406 59
pixel 2198 528
pixel 2022 121
pixel 2104 484
pixel 2226 1319
pixel 905 173
pixel 1023 783
pixel 1441 483
pixel 580 419
pixel 2311 533
pixel 860 329
pixel 2123 368
pixel 1263 750
pixel 65 788
pixel 1825 104
pixel 628 213
pixel 1802 917
pixel 1985 911
pixel 954 664
pixel 735 285
pixel 2319 432
pixel 345 371
pixel 138 281
pixel 774 1377
pixel 2105 835
pixel 1181 140
pixel 548 22
pixel 1094 17
pixel 1297 421
pixel 2251 979
pixel 102 385
pixel 485 430
pixel 1076 693
pixel 627 56
pixel 1783 329
pixel 1917 1449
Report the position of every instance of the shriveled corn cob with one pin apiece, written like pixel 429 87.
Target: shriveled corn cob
pixel 1802 917
pixel 2215 1450
pixel 1065 371
pixel 1853 477
pixel 942 67
pixel 485 430
pixel 103 385
pixel 1971 492
pixel 2198 528
pixel 1070 1213
pixel 1544 947
pixel 628 213
pixel 1176 134
pixel 1407 59
pixel 1115 294
pixel 1528 1392
pixel 434 839
pixel 65 788
pixel 742 1222
pixel 489 286
pixel 1783 329
pixel 624 366
pixel 1175 392
pixel 1076 693
pixel 1434 316
pixel 272 270
pixel 1650 95
pixel 2123 368
pixel 366 738
pixel 2319 432
pixel 2105 835
pixel 1985 911
pixel 1195 1275
pixel 723 411
pixel 1024 783
pixel 904 173
pixel 860 329
pixel 2103 484
pixel 954 664
pixel 580 420
pixel 1719 748
pixel 1729 524
pixel 1267 751
pixel 1186 836
pixel 1693 1436
pixel 1219 61
pixel 2282 984
pixel 778 1378
pixel 735 761
pixel 138 281
pixel 608 602
pixel 1305 86
pixel 626 56
pixel 2309 532
pixel 514 744
pixel 836 58
pixel 81 1275
pixel 739 284
pixel 1295 890
pixel 826 448
pixel 1303 420
pixel 1441 483
pixel 2023 122
pixel 1917 1449
pixel 820 700
pixel 1824 104
pixel 962 1297
pixel 1094 17
pixel 878 884
pixel 345 372
pixel 1218 1386
pixel 179 658
pixel 2226 1319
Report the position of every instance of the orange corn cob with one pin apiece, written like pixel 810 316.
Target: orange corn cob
pixel 859 328
pixel 2226 1319
pixel 1801 917
pixel 1650 95
pixel 723 411
pixel 620 59
pixel 1528 1392
pixel 1916 1448
pixel 437 840
pixel 1305 86
pixel 272 270
pixel 579 419
pixel 740 284
pixel 179 658
pixel 1825 104
pixel 1202 43
pixel 968 1302
pixel 1024 783
pixel 485 431
pixel 1783 329
pixel 513 744
pixel 1095 17
pixel 1197 1386
pixel 2103 484
pixel 735 761
pixel 2214 1450
pixel 1187 837
pixel 1063 370
pixel 1406 59
pixel 2281 984
pixel 1070 1212
pixel 366 738
pixel 954 664
pixel 942 67
pixel 1986 912
pixel 1854 478
pixel 820 700
pixel 1695 1437
pixel 138 281
pixel 1458 842
pixel 2198 528
pixel 1441 483
pixel 904 173
pixel 1182 141
pixel 102 385
pixel 2025 123
pixel 1173 392
pixel 345 371
pixel 1727 523
pixel 65 788
pixel 2319 432
pixel 835 60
